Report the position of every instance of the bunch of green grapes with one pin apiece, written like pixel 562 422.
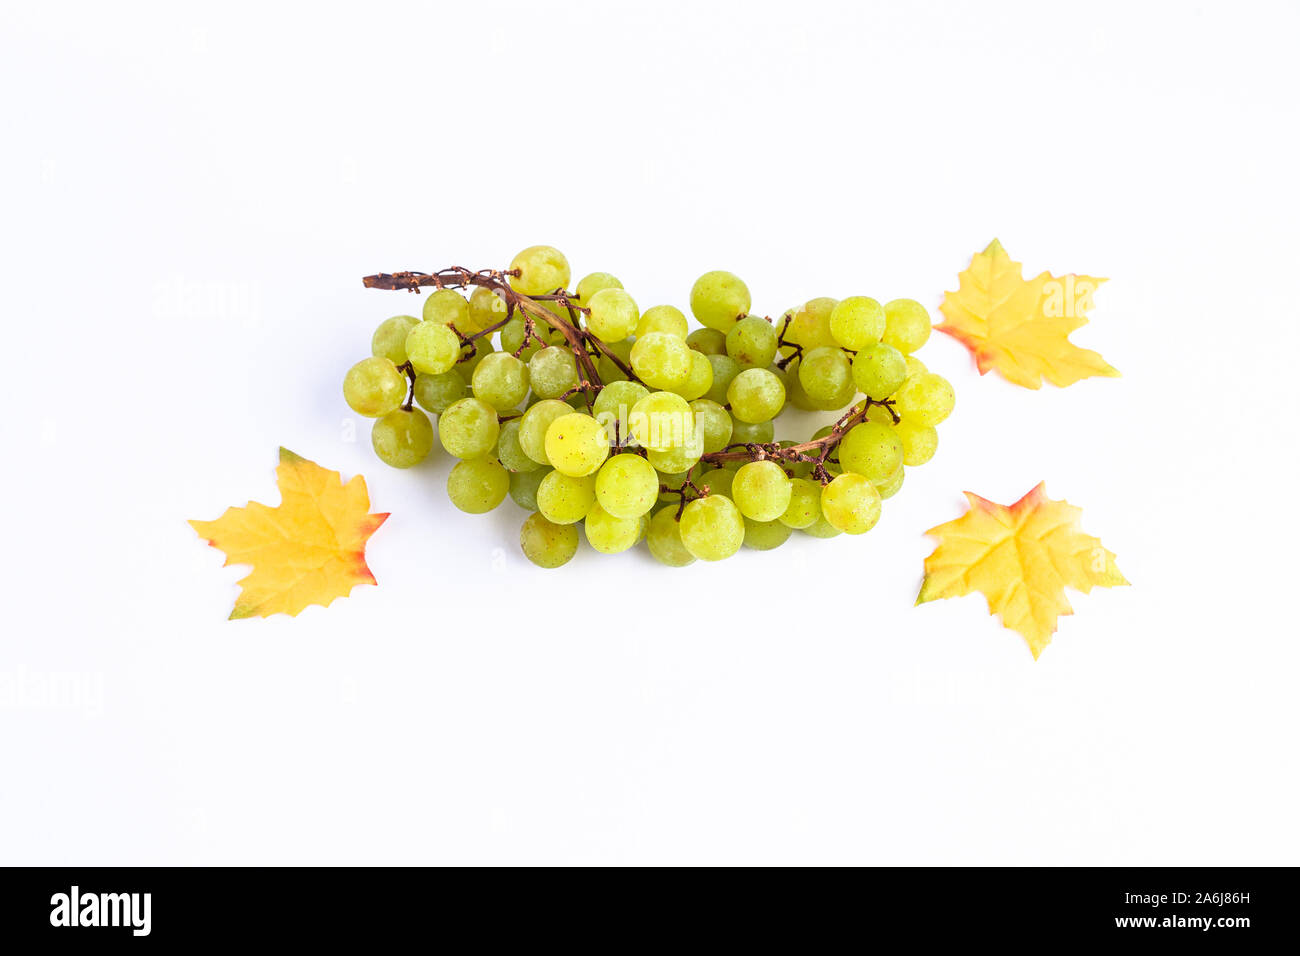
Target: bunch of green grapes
pixel 589 412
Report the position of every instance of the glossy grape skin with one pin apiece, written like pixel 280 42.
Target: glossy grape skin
pixel 717 480
pixel 565 499
pixel 891 487
pixel 432 348
pixel 615 403
pixel 713 425
pixel 512 339
pixel 872 450
pixel 543 269
pixel 552 372
pixel 614 315
pixel 663 318
pixel 661 360
pixel 766 535
pixel 594 282
pixel 700 380
pixel 402 438
pixel 821 528
pixel 755 395
pixel 805 505
pixel 668 482
pixel 761 490
pixel 879 370
pixel 524 485
pixel 907 325
pixel 751 341
pixel 486 309
pixel 677 460
pixel 389 340
pixel 478 485
pixel 448 307
pixel 708 341
pixel 508 450
pixel 920 442
pixel 576 444
pixel 627 486
pixel 725 368
pixel 851 503
pixel 467 366
pixel 501 380
pixel 374 387
pixel 662 421
pixel 469 428
pixel 718 298
pixel 826 377
pixel 665 540
pixel 712 528
pixel 857 322
pixel 534 425
pixel 745 433
pixel 925 399
pixel 810 324
pixel 546 544
pixel 437 393
pixel 609 534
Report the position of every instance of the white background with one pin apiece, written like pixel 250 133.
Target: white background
pixel 189 200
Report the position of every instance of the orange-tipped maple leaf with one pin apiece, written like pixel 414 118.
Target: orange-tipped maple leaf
pixel 1021 558
pixel 309 549
pixel 1021 327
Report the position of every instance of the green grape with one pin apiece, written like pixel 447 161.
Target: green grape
pixel 826 375
pixel 926 399
pixel 794 393
pixel 501 380
pixel 466 367
pixel 663 318
pixel 478 485
pixel 374 387
pixel 755 395
pixel 432 348
pixel 389 340
pixel 805 505
pixel 751 433
pixel 402 438
pixel 565 499
pixel 725 368
pixel 889 488
pixel 486 309
pixel 552 372
pixel 534 424
pixel 509 453
pixel 523 487
pixel 878 413
pixel 872 450
pixel 752 342
pixel 613 405
pixel 608 534
pixel 469 428
pixel 718 299
pixel 821 528
pixel 609 370
pixel 671 480
pixel 907 325
pixel 595 282
pixel 851 503
pixel 546 544
pixel 662 421
pixel 920 442
pixel 576 444
pixel 700 380
pixel 664 538
pixel 627 486
pixel 914 366
pixel 857 322
pixel 448 307
pixel 437 393
pixel 878 370
pixel 712 528
pixel 542 270
pixel 761 490
pixel 712 424
pixel 613 315
pixel 810 324
pixel 677 460
pixel 661 360
pixel 512 338
pixel 708 341
pixel 796 469
pixel 717 480
pixel 766 535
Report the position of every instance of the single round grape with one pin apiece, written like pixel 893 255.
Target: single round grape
pixel 907 325
pixel 826 375
pixel 920 442
pixel 717 480
pixel 565 499
pixel 486 309
pixel 594 282
pixel 878 370
pixel 469 428
pixel 712 425
pixel 552 372
pixel 478 485
pixel 712 528
pixel 576 444
pixel 718 299
pixel 627 486
pixel 857 322
pixel 725 368
pixel 805 505
pixel 872 450
pixel 664 539
pixel 508 451
pixel 821 528
pixel 432 348
pixel 402 438
pixel 761 490
pixel 749 433
pixel 661 360
pixel 501 380
pixel 448 307
pixel 662 421
pixel 512 338
pixel 546 544
pixel 614 404
pixel 437 393
pixel 524 485
pixel 708 341
pixel 914 365
pixel 810 323
pixel 534 424
pixel 472 356
pixel 542 270
pixel 389 340
pixel 851 503
pixel 752 342
pixel 925 399
pixel 766 535
pixel 613 315
pixel 700 380
pixel 374 387
pixel 755 395
pixel 677 460
pixel 663 318
pixel 609 534
pixel 890 487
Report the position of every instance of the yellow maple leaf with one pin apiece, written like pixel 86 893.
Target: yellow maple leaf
pixel 1021 558
pixel 308 550
pixel 1021 327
